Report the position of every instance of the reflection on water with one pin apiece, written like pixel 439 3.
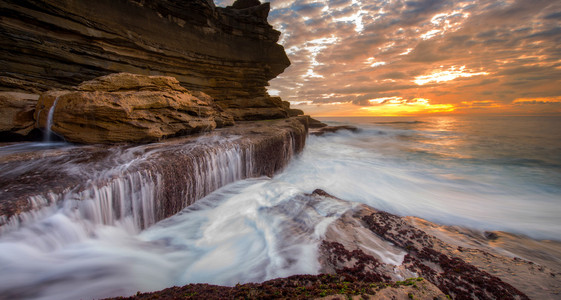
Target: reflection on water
pixel 483 173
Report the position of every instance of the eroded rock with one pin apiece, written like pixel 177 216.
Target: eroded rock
pixel 16 113
pixel 126 107
pixel 228 53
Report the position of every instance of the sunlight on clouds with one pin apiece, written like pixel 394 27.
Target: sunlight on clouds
pixel 371 61
pixel 445 23
pixel 481 104
pixel 406 51
pixel 430 34
pixel 355 18
pixel 447 75
pixel 273 92
pixel 491 52
pixel 314 47
pixel 536 101
pixel 398 106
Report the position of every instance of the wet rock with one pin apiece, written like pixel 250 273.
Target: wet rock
pixel 321 286
pixel 16 113
pixel 490 235
pixel 180 170
pixel 315 123
pixel 333 129
pixel 125 107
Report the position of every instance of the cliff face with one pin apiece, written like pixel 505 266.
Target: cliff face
pixel 228 53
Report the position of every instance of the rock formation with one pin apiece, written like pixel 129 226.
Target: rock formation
pixel 16 112
pixel 125 107
pixel 171 175
pixel 227 53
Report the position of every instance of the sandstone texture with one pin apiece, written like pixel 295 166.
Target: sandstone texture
pixel 228 53
pixel 16 112
pixel 125 107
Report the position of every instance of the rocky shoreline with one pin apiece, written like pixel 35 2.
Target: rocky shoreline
pixel 160 116
pixel 178 166
pixel 437 262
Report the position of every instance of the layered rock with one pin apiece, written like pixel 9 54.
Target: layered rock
pixel 125 107
pixel 373 245
pixel 227 53
pixel 146 182
pixel 16 112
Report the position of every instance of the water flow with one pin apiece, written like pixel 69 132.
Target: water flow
pixel 483 173
pixel 254 230
pixel 250 231
pixel 48 132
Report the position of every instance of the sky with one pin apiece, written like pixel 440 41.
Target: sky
pixel 401 58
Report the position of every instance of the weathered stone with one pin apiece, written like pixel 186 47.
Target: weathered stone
pixel 316 123
pixel 227 53
pixel 293 112
pixel 16 113
pixel 253 114
pixel 126 107
pixel 182 166
pixel 258 108
pixel 332 129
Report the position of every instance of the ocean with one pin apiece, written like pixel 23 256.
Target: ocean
pixel 488 173
pixel 483 173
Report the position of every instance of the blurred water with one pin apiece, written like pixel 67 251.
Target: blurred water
pixel 489 174
pixel 492 173
pixel 249 231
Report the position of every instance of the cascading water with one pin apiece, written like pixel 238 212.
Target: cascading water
pixel 147 183
pixel 90 207
pixel 47 138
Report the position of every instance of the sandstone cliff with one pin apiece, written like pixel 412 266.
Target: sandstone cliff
pixel 124 107
pixel 227 53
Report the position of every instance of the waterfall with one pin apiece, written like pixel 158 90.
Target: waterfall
pixel 48 132
pixel 138 191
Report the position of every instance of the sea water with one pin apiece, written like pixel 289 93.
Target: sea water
pixel 487 173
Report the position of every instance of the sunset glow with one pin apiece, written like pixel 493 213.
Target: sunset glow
pixel 447 75
pixel 397 106
pixel 469 57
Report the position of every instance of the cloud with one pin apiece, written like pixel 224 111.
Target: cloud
pixel 491 52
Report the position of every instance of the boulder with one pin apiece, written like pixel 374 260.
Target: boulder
pixel 125 107
pixel 16 113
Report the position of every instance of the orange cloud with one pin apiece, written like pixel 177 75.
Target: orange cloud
pixel 446 75
pixel 466 56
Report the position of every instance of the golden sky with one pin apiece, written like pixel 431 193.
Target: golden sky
pixel 395 58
